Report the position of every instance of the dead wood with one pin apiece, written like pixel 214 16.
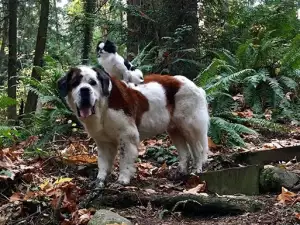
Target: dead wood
pixel 188 204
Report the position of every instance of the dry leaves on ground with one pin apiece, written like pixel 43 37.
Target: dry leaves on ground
pixel 11 162
pixel 78 153
pixel 286 197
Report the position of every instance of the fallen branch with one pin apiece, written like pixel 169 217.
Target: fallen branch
pixel 187 203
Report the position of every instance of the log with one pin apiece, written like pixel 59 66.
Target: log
pixel 267 156
pixel 188 204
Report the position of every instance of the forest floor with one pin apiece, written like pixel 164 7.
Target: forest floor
pixel 50 188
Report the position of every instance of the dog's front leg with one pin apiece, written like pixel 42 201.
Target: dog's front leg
pixel 106 155
pixel 128 154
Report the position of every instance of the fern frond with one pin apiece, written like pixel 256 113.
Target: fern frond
pixel 256 78
pixel 6 102
pixel 222 130
pixel 209 72
pixel 289 83
pixel 226 81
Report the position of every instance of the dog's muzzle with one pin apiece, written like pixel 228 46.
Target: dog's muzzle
pixel 85 108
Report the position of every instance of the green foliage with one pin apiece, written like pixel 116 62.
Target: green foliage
pixel 52 118
pixel 161 154
pixel 263 65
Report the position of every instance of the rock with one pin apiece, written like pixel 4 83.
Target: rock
pixel 272 179
pixel 105 217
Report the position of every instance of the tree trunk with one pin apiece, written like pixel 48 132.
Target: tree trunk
pixel 12 58
pixel 133 31
pixel 88 27
pixel 4 41
pixel 39 52
pixel 56 25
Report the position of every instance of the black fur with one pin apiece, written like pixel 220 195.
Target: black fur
pixel 109 47
pixel 63 86
pixel 63 83
pixel 104 79
pixel 128 65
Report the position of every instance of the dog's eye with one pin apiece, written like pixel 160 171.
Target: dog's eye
pixel 75 83
pixel 92 82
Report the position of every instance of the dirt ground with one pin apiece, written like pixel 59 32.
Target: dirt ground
pixel 42 208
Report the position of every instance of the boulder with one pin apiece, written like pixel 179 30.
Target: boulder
pixel 273 178
pixel 105 217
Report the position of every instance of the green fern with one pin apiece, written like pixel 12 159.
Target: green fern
pixel 223 131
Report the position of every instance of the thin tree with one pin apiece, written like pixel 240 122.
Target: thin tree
pixel 4 35
pixel 12 58
pixel 88 28
pixel 32 98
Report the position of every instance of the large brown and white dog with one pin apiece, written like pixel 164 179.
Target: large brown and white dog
pixel 118 117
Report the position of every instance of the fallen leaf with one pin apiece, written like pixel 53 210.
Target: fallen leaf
pixel 192 182
pixel 245 114
pixel 82 159
pixel 211 144
pixel 62 180
pixel 17 196
pixel 297 215
pixel 162 171
pixel 196 190
pixel 285 196
pixel 45 185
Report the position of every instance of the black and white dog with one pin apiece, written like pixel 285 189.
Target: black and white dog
pixel 115 65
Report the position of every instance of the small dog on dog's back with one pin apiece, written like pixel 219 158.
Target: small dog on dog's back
pixel 115 65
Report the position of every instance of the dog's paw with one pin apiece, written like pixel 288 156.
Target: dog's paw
pixel 97 184
pixel 123 180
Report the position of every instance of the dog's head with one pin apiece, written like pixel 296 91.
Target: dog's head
pixel 105 48
pixel 83 86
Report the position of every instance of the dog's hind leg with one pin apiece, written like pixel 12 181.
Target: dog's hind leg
pixel 128 148
pixel 198 142
pixel 182 148
pixel 106 155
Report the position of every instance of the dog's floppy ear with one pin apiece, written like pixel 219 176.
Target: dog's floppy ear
pixel 63 85
pixel 104 79
pixel 62 82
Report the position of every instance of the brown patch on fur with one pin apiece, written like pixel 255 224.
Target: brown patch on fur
pixel 170 84
pixel 74 78
pixel 132 102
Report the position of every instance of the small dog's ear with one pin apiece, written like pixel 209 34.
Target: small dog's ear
pixel 104 79
pixel 63 86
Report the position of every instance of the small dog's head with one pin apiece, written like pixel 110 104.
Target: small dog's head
pixel 83 86
pixel 105 48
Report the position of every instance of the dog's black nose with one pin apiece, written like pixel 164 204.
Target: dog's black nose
pixel 84 91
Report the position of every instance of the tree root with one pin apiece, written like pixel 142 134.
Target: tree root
pixel 186 203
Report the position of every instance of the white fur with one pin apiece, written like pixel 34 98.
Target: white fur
pixel 114 131
pixel 113 64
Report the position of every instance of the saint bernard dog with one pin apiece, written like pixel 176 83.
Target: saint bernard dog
pixel 118 116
